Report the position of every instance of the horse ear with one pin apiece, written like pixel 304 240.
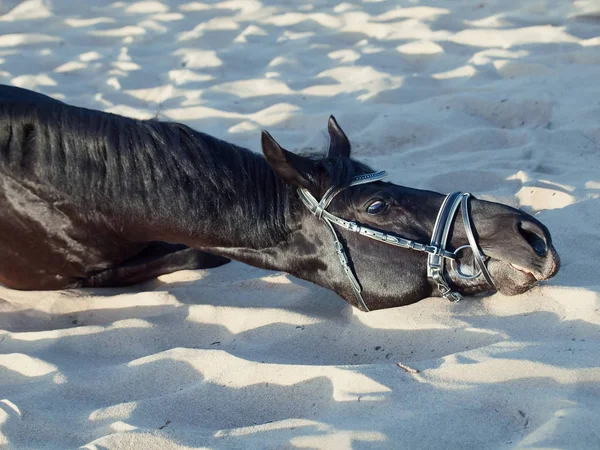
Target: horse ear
pixel 293 169
pixel 339 145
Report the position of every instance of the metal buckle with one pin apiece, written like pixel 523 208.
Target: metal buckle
pixel 444 290
pixel 454 297
pixel 432 250
pixel 448 294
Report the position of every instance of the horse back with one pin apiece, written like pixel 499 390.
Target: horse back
pixel 13 94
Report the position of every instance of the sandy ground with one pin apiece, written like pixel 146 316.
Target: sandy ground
pixel 497 97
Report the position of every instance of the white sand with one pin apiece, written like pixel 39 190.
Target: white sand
pixel 497 97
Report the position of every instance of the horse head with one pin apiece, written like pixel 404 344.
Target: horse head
pixel 359 235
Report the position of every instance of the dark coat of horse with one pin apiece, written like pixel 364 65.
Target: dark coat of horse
pixel 92 199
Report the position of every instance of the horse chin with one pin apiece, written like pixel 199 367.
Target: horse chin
pixel 511 279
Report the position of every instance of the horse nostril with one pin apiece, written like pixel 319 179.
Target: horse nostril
pixel 535 237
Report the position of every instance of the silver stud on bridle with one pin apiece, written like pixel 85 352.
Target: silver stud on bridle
pixel 436 250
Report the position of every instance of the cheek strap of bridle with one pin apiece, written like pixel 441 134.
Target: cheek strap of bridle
pixel 318 208
pixel 436 250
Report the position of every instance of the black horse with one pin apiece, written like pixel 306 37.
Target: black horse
pixel 91 199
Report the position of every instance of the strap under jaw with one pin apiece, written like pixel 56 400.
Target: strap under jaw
pixel 436 250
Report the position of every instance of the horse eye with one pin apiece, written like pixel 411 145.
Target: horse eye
pixel 376 207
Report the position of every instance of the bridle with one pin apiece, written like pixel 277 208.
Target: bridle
pixel 436 250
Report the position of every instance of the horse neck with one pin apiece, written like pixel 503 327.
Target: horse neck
pixel 226 197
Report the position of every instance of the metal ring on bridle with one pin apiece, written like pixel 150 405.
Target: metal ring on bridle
pixel 455 264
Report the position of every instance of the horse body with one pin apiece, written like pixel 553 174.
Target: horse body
pixel 94 199
pixel 82 205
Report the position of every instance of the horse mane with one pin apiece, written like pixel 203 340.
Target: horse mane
pixel 124 167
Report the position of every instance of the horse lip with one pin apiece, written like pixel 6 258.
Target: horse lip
pixel 522 269
pixel 550 270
